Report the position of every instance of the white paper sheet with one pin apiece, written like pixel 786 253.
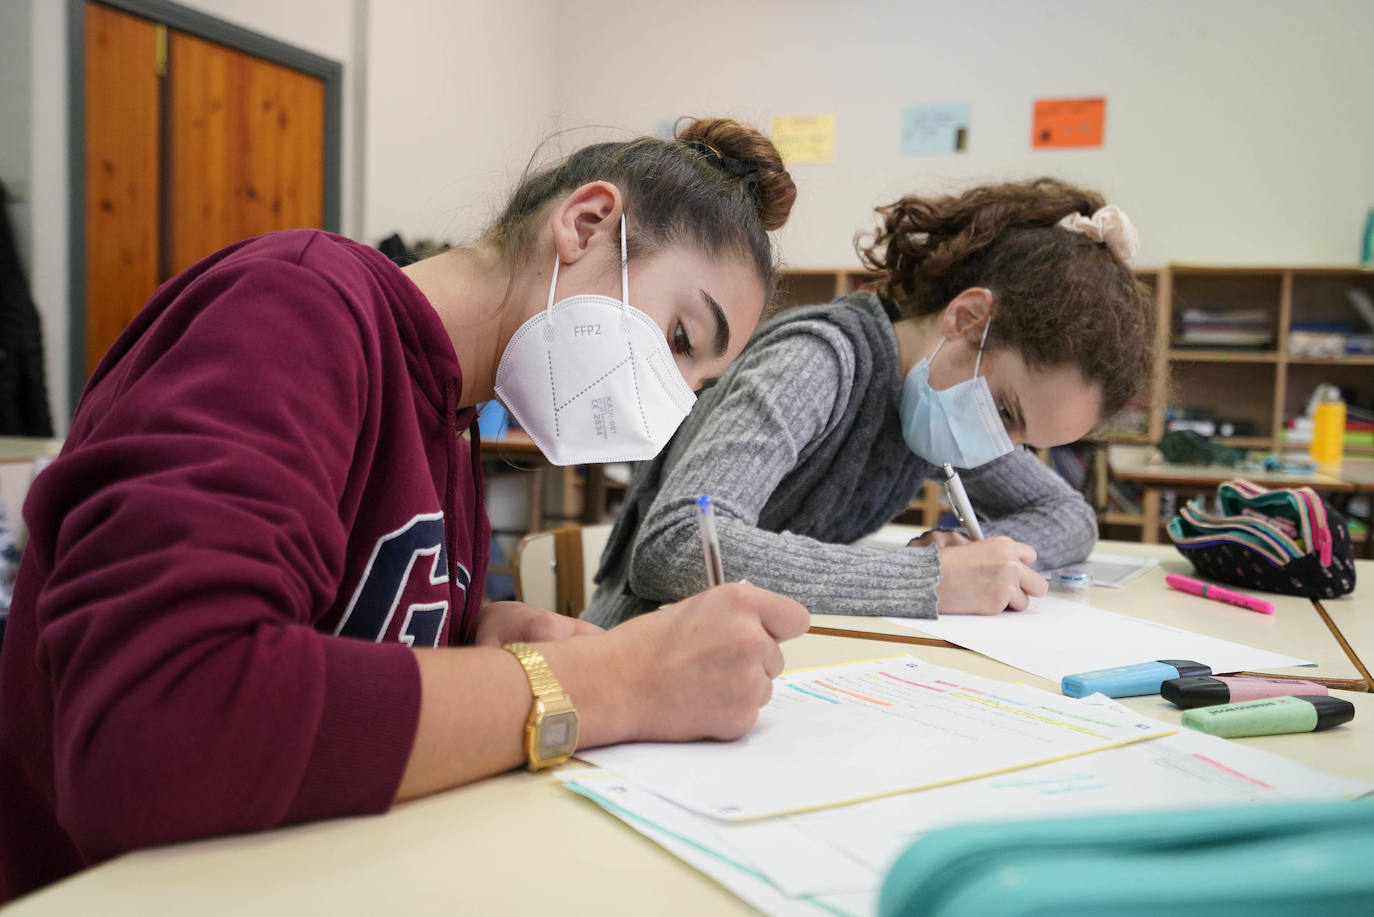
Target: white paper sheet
pixel 838 734
pixel 1054 637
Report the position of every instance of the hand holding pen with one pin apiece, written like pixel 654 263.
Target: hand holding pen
pixel 983 576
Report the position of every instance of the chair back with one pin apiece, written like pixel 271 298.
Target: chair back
pixel 554 569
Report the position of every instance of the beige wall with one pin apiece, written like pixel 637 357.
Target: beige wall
pixel 1238 131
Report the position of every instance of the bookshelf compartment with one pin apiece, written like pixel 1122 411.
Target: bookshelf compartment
pixel 1356 381
pixel 1219 294
pixel 1231 391
pixel 807 288
pixel 1320 296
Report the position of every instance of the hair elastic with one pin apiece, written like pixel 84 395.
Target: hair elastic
pixel 1109 226
pixel 734 168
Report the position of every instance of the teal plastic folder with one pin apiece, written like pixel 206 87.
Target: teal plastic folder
pixel 1256 861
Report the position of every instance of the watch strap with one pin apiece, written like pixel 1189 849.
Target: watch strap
pixel 543 684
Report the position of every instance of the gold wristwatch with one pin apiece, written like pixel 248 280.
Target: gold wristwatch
pixel 551 729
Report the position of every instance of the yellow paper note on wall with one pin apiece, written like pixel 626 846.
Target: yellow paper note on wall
pixel 805 138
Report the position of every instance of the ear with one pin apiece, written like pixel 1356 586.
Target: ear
pixel 584 218
pixel 966 314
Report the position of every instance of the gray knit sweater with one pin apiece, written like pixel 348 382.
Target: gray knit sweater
pixel 800 447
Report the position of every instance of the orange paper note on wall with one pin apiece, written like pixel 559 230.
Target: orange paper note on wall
pixel 1068 122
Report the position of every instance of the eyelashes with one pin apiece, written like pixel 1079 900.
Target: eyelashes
pixel 681 343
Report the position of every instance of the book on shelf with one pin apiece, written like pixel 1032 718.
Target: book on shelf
pixel 1329 340
pixel 1226 328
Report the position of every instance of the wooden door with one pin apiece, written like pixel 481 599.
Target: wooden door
pixel 247 153
pixel 123 112
pixel 190 146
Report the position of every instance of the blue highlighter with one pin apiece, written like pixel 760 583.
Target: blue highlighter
pixel 1130 680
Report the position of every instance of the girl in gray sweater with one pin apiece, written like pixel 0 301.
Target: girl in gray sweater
pixel 1001 318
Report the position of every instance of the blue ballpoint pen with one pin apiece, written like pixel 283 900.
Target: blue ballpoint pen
pixel 710 543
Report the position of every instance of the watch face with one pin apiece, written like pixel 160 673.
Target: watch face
pixel 558 735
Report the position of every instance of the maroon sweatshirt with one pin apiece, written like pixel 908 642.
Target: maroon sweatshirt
pixel 264 502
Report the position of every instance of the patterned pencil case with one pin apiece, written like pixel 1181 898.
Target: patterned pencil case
pixel 1289 541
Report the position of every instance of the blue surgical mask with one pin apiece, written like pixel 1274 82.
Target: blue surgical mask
pixel 960 424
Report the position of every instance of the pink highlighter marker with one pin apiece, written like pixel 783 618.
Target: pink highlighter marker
pixel 1218 594
pixel 1210 690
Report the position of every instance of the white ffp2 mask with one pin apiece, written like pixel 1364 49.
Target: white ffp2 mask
pixel 591 379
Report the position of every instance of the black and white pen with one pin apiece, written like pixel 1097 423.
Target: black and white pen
pixel 958 501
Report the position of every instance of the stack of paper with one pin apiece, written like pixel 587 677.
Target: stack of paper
pixel 832 859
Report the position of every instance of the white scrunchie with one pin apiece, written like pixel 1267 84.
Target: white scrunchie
pixel 1110 226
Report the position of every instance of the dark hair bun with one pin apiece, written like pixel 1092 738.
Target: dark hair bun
pixel 775 192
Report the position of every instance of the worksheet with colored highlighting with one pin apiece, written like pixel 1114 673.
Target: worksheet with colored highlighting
pixel 840 734
pixel 833 860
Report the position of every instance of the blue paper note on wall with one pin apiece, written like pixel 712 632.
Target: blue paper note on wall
pixel 931 129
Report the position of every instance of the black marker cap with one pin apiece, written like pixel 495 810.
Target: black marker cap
pixel 1187 667
pixel 1195 691
pixel 1331 711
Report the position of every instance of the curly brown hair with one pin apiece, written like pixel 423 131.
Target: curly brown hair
pixel 1059 297
pixel 719 185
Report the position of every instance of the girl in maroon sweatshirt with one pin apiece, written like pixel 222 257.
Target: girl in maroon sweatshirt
pixel 252 589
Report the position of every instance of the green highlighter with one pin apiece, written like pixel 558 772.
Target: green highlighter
pixel 1270 716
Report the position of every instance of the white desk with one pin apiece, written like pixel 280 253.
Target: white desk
pixel 513 844
pixel 1295 628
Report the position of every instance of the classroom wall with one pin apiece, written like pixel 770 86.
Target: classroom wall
pixel 1237 131
pixel 15 23
pixel 459 94
pixel 48 262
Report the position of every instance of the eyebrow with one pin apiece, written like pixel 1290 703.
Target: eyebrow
pixel 722 326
